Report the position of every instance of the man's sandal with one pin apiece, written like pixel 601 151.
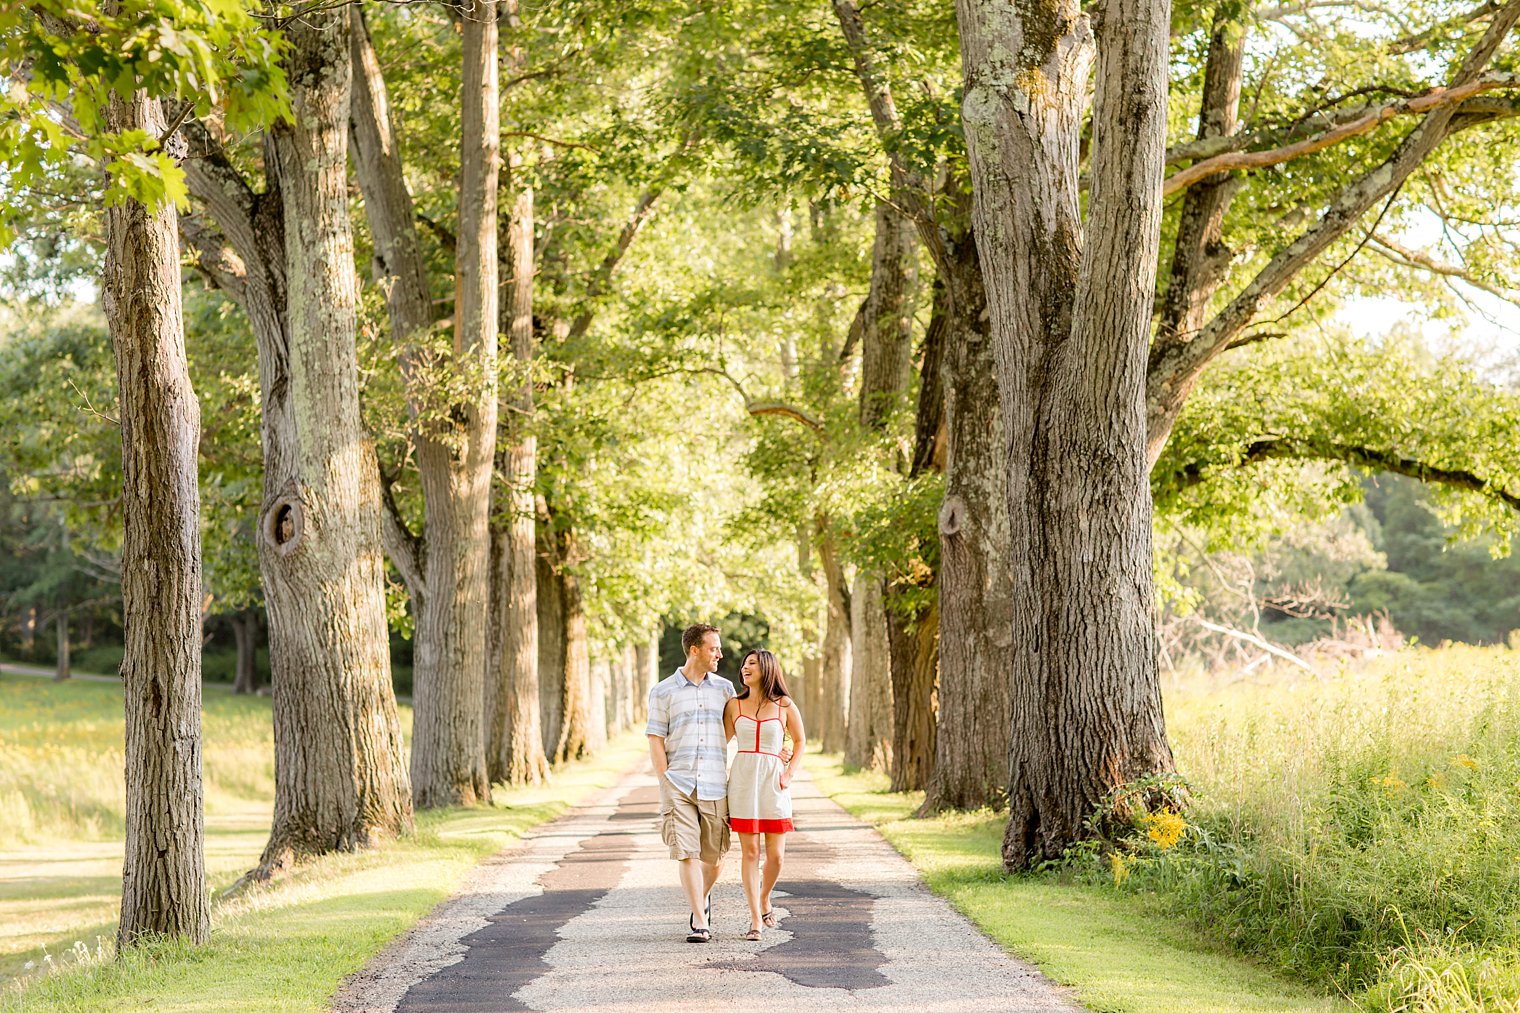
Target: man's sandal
pixel 753 935
pixel 700 936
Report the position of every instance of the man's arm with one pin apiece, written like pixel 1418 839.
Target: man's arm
pixel 657 755
pixel 657 728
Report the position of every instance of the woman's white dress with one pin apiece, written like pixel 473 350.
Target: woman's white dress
pixel 757 804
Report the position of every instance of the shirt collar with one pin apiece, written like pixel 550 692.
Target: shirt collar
pixel 681 674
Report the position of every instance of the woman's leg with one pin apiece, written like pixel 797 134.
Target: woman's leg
pixel 749 871
pixel 775 853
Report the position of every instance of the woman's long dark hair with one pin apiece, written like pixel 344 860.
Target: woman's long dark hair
pixel 771 679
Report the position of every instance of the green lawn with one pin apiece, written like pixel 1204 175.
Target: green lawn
pixel 1117 952
pixel 286 947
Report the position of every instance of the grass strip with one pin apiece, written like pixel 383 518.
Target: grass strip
pixel 1117 953
pixel 289 946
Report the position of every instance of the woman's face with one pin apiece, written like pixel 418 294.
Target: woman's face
pixel 750 672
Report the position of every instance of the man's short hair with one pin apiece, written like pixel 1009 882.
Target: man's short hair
pixel 693 635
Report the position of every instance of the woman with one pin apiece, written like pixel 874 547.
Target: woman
pixel 759 784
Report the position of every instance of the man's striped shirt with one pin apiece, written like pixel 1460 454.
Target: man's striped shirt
pixel 690 717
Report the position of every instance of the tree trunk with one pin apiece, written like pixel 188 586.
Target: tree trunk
pixel 455 464
pixel 1069 330
pixel 970 768
pixel 515 739
pixel 164 874
pixel 61 668
pixel 576 739
pixel 551 643
pixel 868 738
pixel 886 318
pixel 648 671
pixel 835 684
pixel 340 779
pixel 914 647
pixel 1199 256
pixel 598 709
pixel 245 631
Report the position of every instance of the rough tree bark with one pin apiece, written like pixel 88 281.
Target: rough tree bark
pixel 1070 328
pixel 164 875
pixel 975 581
pixel 515 739
pixel 576 738
pixel 245 631
pixel 340 776
pixel 970 761
pixel 551 643
pixel 340 781
pixel 455 458
pixel 836 662
pixel 868 736
pixel 914 640
pixel 884 323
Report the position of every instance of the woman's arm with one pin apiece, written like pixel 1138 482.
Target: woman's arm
pixel 730 712
pixel 795 730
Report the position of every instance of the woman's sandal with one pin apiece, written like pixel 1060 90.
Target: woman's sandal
pixel 700 936
pixel 753 935
pixel 768 919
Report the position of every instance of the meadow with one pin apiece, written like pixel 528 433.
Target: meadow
pixel 287 946
pixel 1353 836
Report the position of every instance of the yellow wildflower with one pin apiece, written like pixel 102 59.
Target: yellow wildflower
pixel 1463 760
pixel 1391 781
pixel 1164 828
pixel 1435 781
pixel 1120 865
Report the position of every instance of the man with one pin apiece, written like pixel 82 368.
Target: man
pixel 688 747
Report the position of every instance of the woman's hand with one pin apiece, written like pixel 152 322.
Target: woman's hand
pixel 786 778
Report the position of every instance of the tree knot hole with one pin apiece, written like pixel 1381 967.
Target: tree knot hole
pixel 952 516
pixel 283 524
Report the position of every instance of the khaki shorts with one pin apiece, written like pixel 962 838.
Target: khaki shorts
pixel 693 827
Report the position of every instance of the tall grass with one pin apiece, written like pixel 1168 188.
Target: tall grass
pixel 1360 830
pixel 61 759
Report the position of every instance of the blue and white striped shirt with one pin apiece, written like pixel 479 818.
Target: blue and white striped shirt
pixel 689 715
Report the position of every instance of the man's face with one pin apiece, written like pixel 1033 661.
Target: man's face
pixel 707 654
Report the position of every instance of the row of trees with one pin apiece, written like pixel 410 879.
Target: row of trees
pixel 965 377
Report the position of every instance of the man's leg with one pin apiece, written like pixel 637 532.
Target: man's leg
pixel 710 873
pixel 695 884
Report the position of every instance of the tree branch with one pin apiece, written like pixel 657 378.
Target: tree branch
pixel 601 279
pixel 405 549
pixel 1406 257
pixel 1367 122
pixel 1286 448
pixel 216 183
pixel 910 191
pixel 758 408
pixel 1176 366
pixel 214 257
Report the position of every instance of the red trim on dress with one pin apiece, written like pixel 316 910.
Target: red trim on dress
pixel 739 826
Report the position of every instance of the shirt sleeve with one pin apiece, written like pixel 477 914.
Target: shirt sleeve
pixel 659 712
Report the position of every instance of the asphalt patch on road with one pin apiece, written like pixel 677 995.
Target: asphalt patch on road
pixel 831 945
pixel 512 949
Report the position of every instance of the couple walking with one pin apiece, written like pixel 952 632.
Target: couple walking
pixel 692 715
